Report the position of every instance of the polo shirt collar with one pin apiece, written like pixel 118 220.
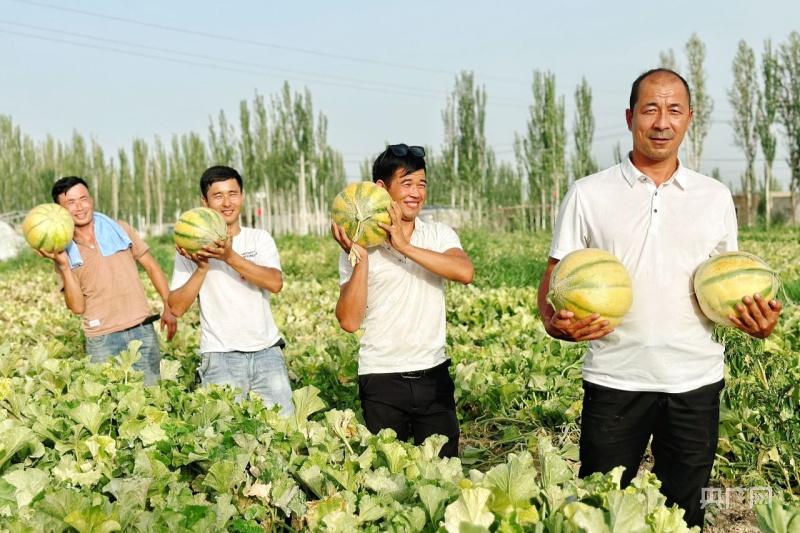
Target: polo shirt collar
pixel 633 175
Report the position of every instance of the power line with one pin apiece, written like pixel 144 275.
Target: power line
pixel 211 58
pixel 252 42
pixel 204 64
pixel 377 87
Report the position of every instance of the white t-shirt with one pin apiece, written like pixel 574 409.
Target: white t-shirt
pixel 404 324
pixel 661 234
pixel 235 315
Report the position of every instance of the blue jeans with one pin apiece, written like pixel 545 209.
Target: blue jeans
pixel 262 372
pixel 104 347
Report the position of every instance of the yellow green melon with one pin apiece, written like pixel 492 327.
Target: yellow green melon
pixel 359 208
pixel 723 280
pixel 199 227
pixel 48 227
pixel 591 281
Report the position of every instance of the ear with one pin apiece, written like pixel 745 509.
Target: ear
pixel 203 199
pixel 629 118
pixel 382 184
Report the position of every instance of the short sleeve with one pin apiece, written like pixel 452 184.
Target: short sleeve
pixel 181 272
pixel 729 242
pixel 139 247
pixel 267 255
pixel 569 233
pixel 345 268
pixel 447 239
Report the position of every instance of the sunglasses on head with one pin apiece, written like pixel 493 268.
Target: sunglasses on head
pixel 402 150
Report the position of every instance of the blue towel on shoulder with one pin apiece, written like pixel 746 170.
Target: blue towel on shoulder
pixel 110 237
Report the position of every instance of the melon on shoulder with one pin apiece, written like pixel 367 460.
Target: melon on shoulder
pixel 48 227
pixel 723 280
pixel 359 209
pixel 591 281
pixel 199 227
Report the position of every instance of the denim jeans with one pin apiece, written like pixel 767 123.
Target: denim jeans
pixel 104 347
pixel 262 372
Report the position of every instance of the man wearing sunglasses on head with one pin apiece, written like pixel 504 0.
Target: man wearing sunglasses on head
pixel 397 294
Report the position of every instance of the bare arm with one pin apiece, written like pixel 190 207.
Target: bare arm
pixel 159 280
pixel 562 324
pixel 262 277
pixel 352 304
pixel 73 295
pixel 452 264
pixel 182 298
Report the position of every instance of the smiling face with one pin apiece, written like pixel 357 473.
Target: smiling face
pixel 225 197
pixel 659 118
pixel 408 190
pixel 79 203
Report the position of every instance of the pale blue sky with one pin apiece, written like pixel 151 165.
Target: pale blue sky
pixel 405 54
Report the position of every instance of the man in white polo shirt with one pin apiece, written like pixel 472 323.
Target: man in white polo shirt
pixel 658 374
pixel 397 292
pixel 232 281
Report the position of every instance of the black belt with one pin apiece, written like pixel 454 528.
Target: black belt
pixel 416 374
pixel 148 320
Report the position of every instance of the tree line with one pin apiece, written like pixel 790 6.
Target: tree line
pixel 281 146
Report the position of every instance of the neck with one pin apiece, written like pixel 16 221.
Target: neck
pixel 85 233
pixel 234 229
pixel 658 171
pixel 408 227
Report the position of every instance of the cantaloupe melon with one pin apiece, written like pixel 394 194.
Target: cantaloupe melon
pixel 48 227
pixel 591 281
pixel 358 209
pixel 723 280
pixel 199 227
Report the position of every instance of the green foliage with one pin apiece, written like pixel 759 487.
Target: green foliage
pixel 89 448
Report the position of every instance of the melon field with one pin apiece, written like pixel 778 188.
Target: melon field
pixel 87 448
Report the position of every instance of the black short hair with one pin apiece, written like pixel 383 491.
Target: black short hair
pixel 387 163
pixel 638 81
pixel 64 184
pixel 218 173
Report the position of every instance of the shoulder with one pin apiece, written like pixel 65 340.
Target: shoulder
pixel 125 226
pixel 256 234
pixel 705 183
pixel 601 179
pixel 432 229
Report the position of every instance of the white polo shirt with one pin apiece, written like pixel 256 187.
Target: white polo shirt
pixel 235 315
pixel 404 325
pixel 661 234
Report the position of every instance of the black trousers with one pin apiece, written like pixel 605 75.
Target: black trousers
pixel 617 425
pixel 418 404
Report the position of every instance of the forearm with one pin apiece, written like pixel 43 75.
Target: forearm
pixel 262 277
pixel 159 281
pixel 451 266
pixel 546 311
pixel 73 296
pixel 181 299
pixel 352 304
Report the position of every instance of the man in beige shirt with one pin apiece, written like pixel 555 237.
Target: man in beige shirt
pixel 100 280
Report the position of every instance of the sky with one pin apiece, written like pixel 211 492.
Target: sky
pixel 380 72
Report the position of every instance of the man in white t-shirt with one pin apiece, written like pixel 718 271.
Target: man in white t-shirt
pixel 658 374
pixel 396 292
pixel 232 281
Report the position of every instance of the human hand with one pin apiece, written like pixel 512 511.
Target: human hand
pixel 396 237
pixel 757 316
pixel 564 325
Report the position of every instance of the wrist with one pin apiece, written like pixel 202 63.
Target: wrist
pixel 406 250
pixel 231 258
